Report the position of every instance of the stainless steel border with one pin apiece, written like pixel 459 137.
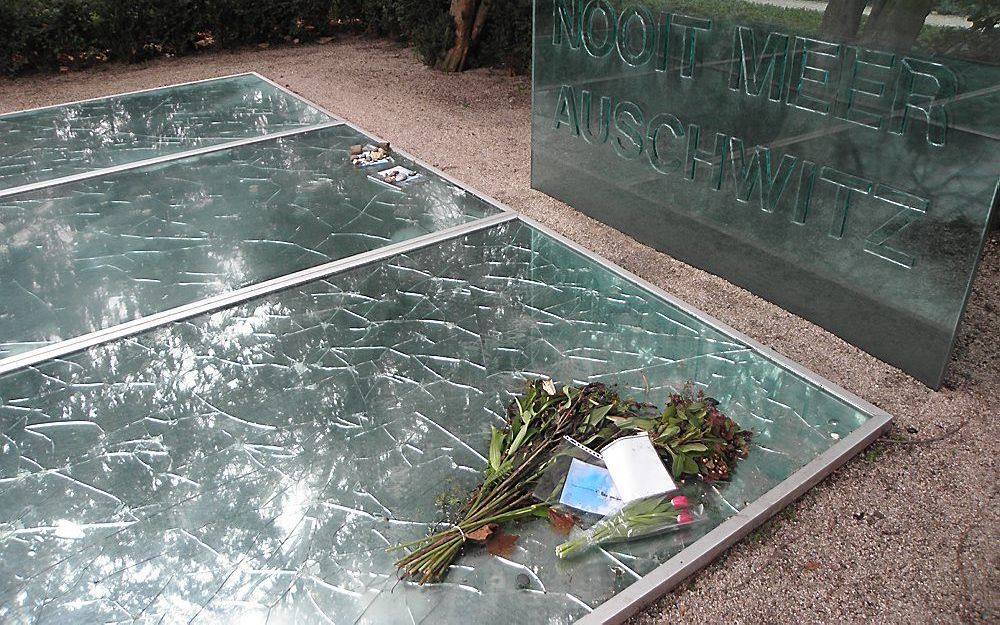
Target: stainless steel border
pixel 238 296
pixel 125 93
pixel 166 158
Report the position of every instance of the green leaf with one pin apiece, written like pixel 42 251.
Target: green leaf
pixel 678 467
pixel 668 432
pixel 690 466
pixel 688 447
pixel 644 424
pixel 597 414
pixel 542 512
pixel 642 506
pixel 496 448
pixel 521 436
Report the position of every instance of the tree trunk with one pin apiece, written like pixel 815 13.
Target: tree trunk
pixel 842 18
pixel 895 24
pixel 470 16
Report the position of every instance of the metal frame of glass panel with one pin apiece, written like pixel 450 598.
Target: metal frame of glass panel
pixel 668 575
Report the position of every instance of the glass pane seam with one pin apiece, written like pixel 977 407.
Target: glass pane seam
pixel 253 291
pixel 166 158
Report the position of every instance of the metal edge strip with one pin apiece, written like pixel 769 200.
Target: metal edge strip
pixel 253 291
pixel 166 158
pixel 125 93
pixel 702 552
pixel 298 97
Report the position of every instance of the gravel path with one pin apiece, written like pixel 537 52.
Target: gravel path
pixel 905 534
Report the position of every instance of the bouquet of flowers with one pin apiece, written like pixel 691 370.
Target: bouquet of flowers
pixel 691 435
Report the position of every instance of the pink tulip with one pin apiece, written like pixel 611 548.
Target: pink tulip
pixel 684 518
pixel 680 501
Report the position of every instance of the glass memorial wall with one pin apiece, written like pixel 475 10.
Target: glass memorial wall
pixel 842 163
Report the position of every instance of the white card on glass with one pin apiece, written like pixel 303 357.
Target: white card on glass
pixel 636 468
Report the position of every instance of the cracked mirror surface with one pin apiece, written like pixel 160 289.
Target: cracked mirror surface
pixel 50 143
pixel 90 254
pixel 253 465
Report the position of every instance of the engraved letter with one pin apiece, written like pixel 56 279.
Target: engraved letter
pixel 663 42
pixel 846 186
pixel 673 125
pixel 630 130
pixel 911 208
pixel 641 16
pixel 863 93
pixel 803 197
pixel 690 26
pixel 923 87
pixel 594 45
pixel 716 159
pixel 755 70
pixel 757 174
pixel 564 14
pixel 604 121
pixel 811 75
pixel 566 110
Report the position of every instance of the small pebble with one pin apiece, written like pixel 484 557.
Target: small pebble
pixel 911 429
pixel 523 581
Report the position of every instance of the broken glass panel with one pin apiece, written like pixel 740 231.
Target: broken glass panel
pixel 49 143
pixel 255 463
pixel 91 254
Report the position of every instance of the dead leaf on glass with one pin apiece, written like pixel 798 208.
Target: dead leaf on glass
pixel 501 544
pixel 481 534
pixel 562 522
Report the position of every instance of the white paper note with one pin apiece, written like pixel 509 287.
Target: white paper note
pixel 636 468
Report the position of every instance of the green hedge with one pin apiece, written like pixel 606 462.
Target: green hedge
pixel 49 34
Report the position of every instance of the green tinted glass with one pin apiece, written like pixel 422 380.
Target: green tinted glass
pixel 843 166
pixel 50 143
pixel 255 463
pixel 91 254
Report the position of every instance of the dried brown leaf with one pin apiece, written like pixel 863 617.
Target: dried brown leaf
pixel 501 544
pixel 562 522
pixel 812 565
pixel 481 534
